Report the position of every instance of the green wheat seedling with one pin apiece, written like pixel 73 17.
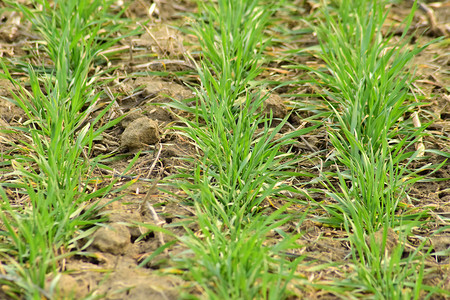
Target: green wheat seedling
pixel 242 162
pixel 366 82
pixel 239 164
pixel 54 172
pixel 367 85
pixel 89 21
pixel 367 79
pixel 367 203
pixel 235 263
pixel 385 266
pixel 237 153
pixel 374 183
pixel 380 263
pixel 55 179
pixel 230 36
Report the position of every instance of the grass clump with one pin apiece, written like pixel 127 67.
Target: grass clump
pixel 235 263
pixel 54 167
pixel 367 83
pixel 367 80
pixel 240 163
pixel 230 36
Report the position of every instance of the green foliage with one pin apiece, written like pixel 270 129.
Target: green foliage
pixel 230 36
pixel 240 162
pixel 367 82
pixel 55 167
pixel 367 76
pixel 380 266
pixel 86 28
pixel 234 262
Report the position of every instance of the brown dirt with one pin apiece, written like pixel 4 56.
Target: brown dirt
pixel 156 71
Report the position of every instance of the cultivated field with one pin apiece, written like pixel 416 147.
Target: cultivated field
pixel 224 149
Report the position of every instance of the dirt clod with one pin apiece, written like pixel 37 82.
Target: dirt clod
pixel 153 87
pixel 139 133
pixel 391 240
pixel 441 246
pixel 114 239
pixel 275 104
pixel 70 288
pixel 139 285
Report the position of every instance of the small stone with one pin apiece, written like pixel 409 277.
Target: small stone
pixel 392 240
pixel 275 104
pixel 130 117
pixel 70 288
pixel 113 239
pixel 441 243
pixel 140 133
